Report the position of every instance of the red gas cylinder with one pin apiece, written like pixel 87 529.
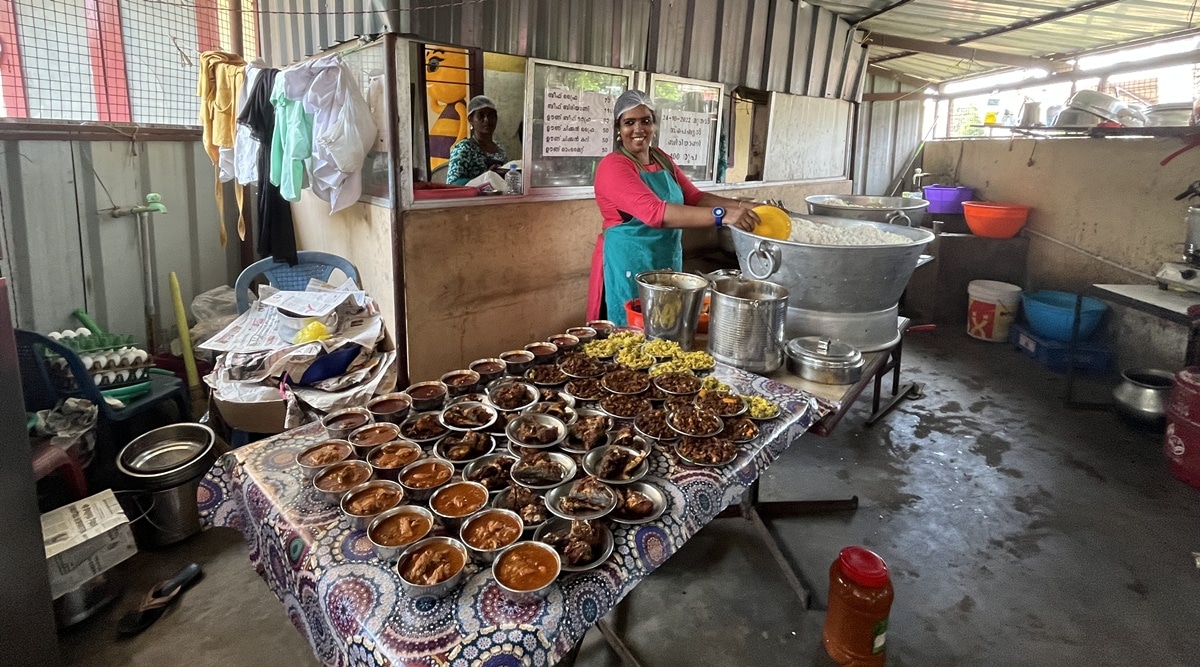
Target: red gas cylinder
pixel 1181 445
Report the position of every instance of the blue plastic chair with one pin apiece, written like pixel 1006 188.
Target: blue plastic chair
pixel 43 393
pixel 311 264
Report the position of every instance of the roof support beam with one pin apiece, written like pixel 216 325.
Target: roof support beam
pixel 906 79
pixel 965 52
pixel 881 11
pixel 1018 25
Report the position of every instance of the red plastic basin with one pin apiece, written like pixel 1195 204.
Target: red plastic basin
pixel 995 221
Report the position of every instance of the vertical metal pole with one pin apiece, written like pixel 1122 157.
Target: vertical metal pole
pixel 236 44
pixel 392 113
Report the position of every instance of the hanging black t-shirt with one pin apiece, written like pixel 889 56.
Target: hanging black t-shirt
pixel 276 233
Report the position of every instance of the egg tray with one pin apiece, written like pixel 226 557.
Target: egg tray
pixel 103 343
pixel 65 381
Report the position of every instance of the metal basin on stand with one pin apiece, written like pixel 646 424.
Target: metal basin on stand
pixel 849 293
pixel 909 212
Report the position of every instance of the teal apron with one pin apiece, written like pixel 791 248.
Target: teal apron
pixel 633 246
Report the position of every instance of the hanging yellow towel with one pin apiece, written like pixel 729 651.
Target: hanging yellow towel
pixel 221 76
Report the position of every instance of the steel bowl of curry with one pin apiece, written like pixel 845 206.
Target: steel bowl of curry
pixel 389 459
pixel 368 500
pixel 458 500
pixel 525 571
pixel 391 407
pixel 341 423
pixel 432 567
pixel 394 530
pixel 366 438
pixel 333 482
pixel 421 478
pixel 427 395
pixel 322 455
pixel 487 532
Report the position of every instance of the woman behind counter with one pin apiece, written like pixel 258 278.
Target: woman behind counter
pixel 478 152
pixel 645 201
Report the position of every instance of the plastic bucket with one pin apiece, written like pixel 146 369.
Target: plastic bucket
pixel 991 308
pixel 947 198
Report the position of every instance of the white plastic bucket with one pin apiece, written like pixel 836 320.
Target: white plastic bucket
pixel 991 308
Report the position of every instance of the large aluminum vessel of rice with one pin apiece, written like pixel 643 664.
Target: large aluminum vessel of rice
pixel 848 292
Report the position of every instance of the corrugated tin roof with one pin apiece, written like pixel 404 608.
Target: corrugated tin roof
pixel 1041 28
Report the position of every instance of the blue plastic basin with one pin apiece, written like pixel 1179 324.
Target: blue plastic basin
pixel 1052 314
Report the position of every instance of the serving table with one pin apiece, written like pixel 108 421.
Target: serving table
pixel 349 606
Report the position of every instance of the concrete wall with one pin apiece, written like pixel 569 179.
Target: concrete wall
pixel 485 279
pixel 1103 212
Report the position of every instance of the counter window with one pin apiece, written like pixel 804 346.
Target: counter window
pixel 688 128
pixel 448 77
pixel 571 124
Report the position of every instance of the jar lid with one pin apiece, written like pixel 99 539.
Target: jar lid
pixel 823 349
pixel 863 566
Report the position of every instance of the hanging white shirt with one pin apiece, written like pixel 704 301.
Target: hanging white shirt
pixel 343 131
pixel 245 146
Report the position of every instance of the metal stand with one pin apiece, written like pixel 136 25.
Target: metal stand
pixel 758 512
pixel 1072 347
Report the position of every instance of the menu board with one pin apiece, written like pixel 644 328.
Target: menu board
pixel 686 136
pixel 576 123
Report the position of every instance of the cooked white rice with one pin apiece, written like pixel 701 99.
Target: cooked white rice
pixel 816 233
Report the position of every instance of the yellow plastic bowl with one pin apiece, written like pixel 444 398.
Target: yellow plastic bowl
pixel 774 223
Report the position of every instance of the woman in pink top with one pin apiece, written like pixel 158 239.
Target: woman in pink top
pixel 646 201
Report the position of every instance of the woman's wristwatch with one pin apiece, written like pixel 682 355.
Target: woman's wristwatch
pixel 718 215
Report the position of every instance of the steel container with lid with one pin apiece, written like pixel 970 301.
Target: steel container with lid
pixel 166 465
pixel 745 323
pixel 824 360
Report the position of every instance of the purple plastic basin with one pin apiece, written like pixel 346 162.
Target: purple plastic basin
pixel 947 199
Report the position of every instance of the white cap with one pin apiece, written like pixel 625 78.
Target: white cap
pixel 631 99
pixel 480 102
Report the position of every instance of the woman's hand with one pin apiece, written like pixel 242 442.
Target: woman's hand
pixel 744 219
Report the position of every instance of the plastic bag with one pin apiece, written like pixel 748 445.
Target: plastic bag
pixel 213 311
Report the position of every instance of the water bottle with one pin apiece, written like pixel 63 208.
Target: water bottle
pixel 512 182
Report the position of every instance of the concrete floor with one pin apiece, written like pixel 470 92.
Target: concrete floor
pixel 1018 533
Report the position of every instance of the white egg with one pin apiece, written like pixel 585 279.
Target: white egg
pixel 67 334
pixel 87 361
pixel 83 331
pixel 54 335
pixel 121 375
pixel 113 359
pixel 142 356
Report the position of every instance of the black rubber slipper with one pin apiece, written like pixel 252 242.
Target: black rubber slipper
pixel 157 600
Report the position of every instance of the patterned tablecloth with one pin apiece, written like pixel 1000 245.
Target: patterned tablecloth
pixel 350 607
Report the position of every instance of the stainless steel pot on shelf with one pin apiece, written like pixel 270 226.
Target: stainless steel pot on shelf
pixel 843 292
pixel 909 212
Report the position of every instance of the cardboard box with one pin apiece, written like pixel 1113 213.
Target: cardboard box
pixel 262 417
pixel 268 417
pixel 84 539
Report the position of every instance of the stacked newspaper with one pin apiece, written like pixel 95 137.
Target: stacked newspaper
pixel 257 363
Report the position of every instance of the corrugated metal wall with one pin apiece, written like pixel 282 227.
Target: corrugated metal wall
pixel 889 133
pixel 778 45
pixel 293 29
pixel 62 250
